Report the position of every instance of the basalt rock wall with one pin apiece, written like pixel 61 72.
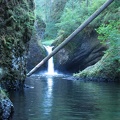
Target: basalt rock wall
pixel 37 51
pixel 83 51
pixel 16 24
pixel 36 54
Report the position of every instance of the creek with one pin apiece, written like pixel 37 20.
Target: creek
pixel 60 98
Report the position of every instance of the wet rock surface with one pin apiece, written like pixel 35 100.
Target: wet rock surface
pixel 16 25
pixel 36 54
pixel 87 52
pixel 6 107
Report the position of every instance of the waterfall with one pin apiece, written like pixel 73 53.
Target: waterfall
pixel 50 70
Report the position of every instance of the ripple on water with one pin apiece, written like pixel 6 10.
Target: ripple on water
pixel 61 98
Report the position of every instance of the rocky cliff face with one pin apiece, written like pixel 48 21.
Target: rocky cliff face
pixel 16 23
pixel 81 52
pixel 36 50
pixel 105 70
pixel 36 54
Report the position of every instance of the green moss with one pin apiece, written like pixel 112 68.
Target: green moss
pixel 17 19
pixel 107 68
pixel 2 94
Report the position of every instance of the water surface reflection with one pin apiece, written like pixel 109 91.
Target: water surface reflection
pixel 55 98
pixel 48 97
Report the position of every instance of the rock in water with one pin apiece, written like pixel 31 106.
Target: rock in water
pixel 6 107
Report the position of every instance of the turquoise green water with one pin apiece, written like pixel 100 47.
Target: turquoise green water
pixel 58 98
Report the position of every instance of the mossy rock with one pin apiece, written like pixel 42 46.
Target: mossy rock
pixel 6 106
pixel 107 69
pixel 16 25
pixel 82 51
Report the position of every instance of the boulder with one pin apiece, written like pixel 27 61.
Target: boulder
pixel 36 53
pixel 105 70
pixel 81 52
pixel 6 107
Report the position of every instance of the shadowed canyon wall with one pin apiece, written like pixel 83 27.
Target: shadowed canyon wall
pixel 81 52
pixel 16 24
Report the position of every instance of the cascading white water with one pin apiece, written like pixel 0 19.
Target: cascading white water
pixel 50 61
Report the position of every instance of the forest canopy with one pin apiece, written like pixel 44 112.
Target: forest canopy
pixel 64 16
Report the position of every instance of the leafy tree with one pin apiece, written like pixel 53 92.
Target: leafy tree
pixel 109 34
pixel 50 11
pixel 109 30
pixel 75 13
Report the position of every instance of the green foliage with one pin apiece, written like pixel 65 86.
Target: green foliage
pixel 16 25
pixel 70 18
pixel 67 15
pixel 109 30
pixel 2 94
pixel 75 13
pixel 40 22
pixel 110 34
pixel 50 12
pixel 50 31
pixel 47 42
